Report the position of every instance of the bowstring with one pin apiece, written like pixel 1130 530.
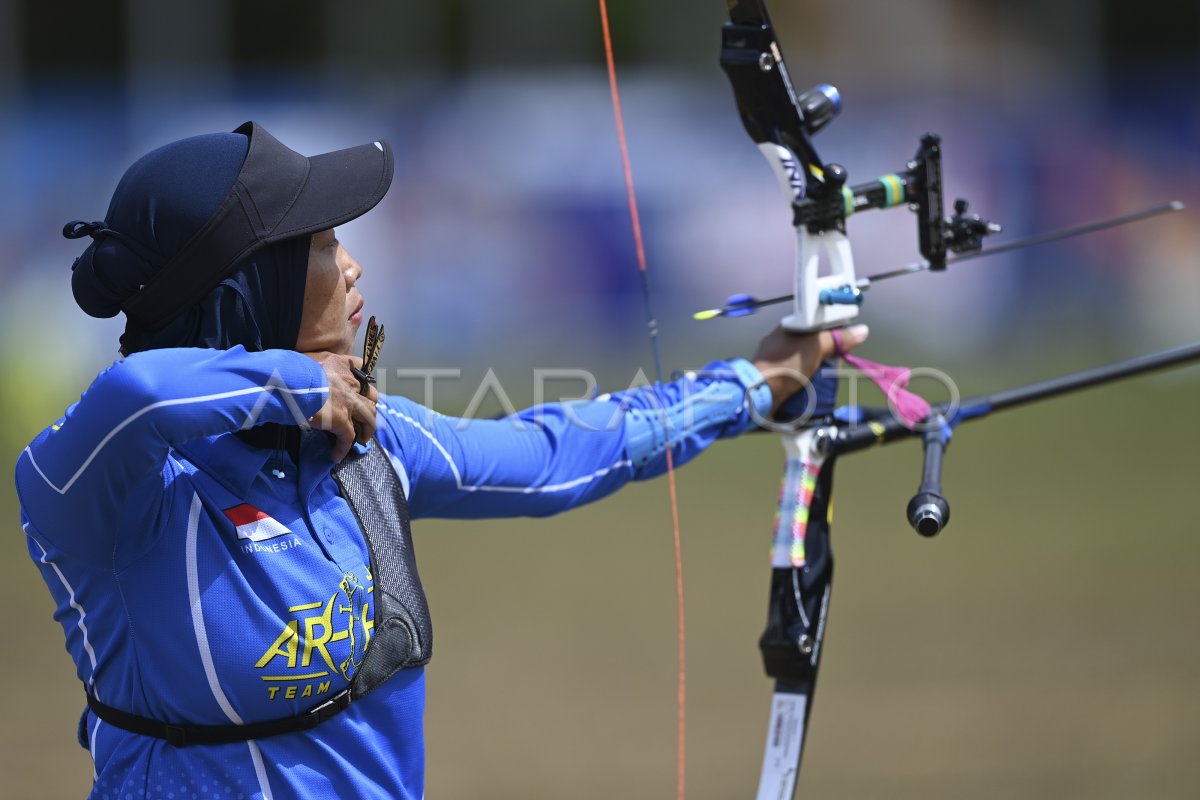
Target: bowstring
pixel 652 328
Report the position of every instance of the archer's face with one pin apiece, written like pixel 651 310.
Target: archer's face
pixel 332 304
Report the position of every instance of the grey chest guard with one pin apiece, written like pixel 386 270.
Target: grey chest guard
pixel 403 632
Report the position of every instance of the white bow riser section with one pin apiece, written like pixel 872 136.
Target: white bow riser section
pixel 808 314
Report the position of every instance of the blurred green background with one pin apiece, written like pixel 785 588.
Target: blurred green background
pixel 1044 646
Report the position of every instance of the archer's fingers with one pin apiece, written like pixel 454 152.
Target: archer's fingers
pixel 851 337
pixel 372 395
pixel 364 418
pixel 344 436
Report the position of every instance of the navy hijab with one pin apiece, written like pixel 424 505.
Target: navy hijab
pixel 162 201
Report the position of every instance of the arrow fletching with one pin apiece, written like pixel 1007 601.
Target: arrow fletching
pixel 740 305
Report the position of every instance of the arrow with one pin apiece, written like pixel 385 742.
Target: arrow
pixel 741 305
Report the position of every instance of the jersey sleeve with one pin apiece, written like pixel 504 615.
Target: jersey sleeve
pixel 101 465
pixel 557 456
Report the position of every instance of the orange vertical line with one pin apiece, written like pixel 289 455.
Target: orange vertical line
pixel 635 220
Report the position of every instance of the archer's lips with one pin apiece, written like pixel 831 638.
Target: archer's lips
pixel 356 315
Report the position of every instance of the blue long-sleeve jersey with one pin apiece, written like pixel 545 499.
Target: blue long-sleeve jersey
pixel 201 580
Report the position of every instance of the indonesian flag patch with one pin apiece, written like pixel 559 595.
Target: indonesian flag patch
pixel 254 524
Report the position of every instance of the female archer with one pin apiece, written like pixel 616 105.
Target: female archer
pixel 223 517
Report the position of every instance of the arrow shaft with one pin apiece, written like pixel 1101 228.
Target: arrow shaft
pixel 1032 241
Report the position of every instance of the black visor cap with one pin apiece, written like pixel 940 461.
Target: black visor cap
pixel 278 194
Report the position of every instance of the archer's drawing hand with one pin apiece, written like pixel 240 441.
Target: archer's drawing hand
pixel 348 415
pixel 787 360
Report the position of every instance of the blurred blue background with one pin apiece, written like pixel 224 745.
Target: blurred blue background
pixel 508 194
pixel 504 243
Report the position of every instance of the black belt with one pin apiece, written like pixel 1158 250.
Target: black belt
pixel 183 735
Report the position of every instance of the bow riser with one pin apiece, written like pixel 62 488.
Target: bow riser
pixel 801 583
pixel 812 283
